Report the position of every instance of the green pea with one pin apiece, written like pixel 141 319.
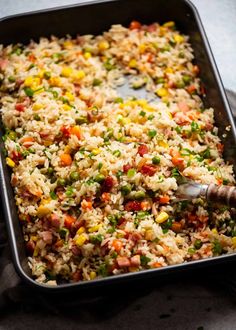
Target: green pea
pixel 61 182
pixel 74 176
pixel 156 160
pixel 125 190
pixel 99 178
pixel 139 195
pixel 160 80
pixel 118 100
pixel 50 170
pixel 191 250
pixel 11 79
pixel 152 133
pixel 186 79
pixel 180 84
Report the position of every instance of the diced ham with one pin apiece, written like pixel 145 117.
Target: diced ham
pixel 135 237
pixel 123 262
pixel 183 106
pixel 135 260
pixel 46 236
pixel 142 149
pixel 3 64
pixel 149 170
pixel 126 167
pixel 55 220
pixel 107 184
pixel 133 206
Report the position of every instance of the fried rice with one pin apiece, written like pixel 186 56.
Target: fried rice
pixel 95 174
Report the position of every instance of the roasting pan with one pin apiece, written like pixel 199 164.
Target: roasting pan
pixel 94 18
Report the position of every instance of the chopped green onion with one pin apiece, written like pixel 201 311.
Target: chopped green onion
pixel 131 172
pixel 117 153
pixel 118 100
pixel 198 244
pixel 142 113
pixel 74 176
pixel 53 195
pixel 99 178
pixel 97 82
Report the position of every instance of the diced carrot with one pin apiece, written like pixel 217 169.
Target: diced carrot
pixel 176 226
pixel 135 25
pixel 192 217
pixel 157 265
pixel 86 204
pixel 191 89
pixel 196 69
pixel 27 141
pixel 117 245
pixel 68 221
pixel 66 159
pixel 177 161
pixel 145 205
pixel 219 181
pixel 76 130
pixel 164 199
pixel 220 147
pixel 106 197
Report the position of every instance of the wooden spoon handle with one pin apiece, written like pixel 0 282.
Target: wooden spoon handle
pixel 222 194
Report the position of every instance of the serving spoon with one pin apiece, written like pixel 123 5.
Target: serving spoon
pixel 189 190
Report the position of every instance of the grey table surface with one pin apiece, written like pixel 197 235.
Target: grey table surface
pixel 191 306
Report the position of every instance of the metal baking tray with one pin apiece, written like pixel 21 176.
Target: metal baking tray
pixel 94 18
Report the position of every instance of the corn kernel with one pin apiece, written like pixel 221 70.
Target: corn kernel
pixel 149 235
pixel 103 45
pixel 92 275
pixel 37 106
pixel 55 81
pixel 234 241
pixel 96 151
pixel 41 73
pixel 142 48
pixel 36 251
pixel 67 150
pixel 178 38
pixel 78 74
pixel 169 114
pixel 66 71
pixel 162 30
pixel 81 240
pixel 87 55
pixel 94 228
pixel 70 96
pixel 66 107
pixel 132 63
pixel 162 217
pixel 45 201
pixel 42 211
pixel 68 44
pixel 33 238
pixel 163 144
pixel 169 24
pixel 161 92
pixel 10 162
pixel 214 231
pixel 169 70
pixel 28 81
pixel 80 231
pixel 142 102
